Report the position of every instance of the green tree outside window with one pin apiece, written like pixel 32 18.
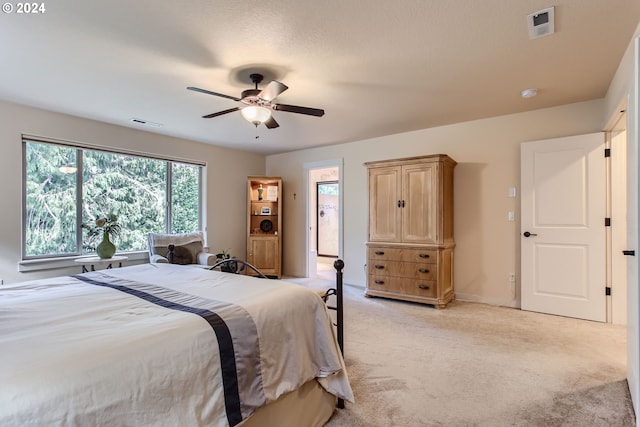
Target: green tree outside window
pixel 134 188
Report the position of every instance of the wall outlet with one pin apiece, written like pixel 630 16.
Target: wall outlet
pixel 512 285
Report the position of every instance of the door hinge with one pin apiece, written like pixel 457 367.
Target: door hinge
pixel 607 290
pixel 607 152
pixel 607 222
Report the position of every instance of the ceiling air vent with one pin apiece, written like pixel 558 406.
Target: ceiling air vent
pixel 540 23
pixel 145 122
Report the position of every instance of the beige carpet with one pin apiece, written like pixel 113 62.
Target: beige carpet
pixel 478 365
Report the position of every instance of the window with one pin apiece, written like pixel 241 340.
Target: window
pixel 67 185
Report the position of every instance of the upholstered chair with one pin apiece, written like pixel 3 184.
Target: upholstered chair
pixel 186 248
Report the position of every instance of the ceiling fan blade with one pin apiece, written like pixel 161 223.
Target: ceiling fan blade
pixel 300 110
pixel 208 92
pixel 271 123
pixel 219 113
pixel 272 90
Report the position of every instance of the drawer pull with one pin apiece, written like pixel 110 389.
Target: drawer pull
pixel 423 270
pixel 379 282
pixel 424 255
pixel 425 287
pixel 379 267
pixel 379 252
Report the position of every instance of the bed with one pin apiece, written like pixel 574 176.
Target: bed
pixel 163 344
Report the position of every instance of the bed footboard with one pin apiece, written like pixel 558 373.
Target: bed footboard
pixel 235 265
pixel 337 291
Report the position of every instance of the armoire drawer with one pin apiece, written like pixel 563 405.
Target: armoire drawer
pixel 412 270
pixel 424 288
pixel 402 254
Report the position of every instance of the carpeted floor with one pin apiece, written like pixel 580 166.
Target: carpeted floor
pixel 478 365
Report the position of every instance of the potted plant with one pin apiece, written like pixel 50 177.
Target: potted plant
pixel 223 254
pixel 107 228
pixel 229 266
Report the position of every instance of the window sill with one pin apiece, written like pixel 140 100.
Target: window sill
pixel 54 263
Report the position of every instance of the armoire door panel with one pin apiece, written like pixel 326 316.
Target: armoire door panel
pixel 420 197
pixel 384 213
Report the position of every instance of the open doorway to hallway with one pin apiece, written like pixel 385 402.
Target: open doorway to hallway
pixel 324 219
pixel 327 217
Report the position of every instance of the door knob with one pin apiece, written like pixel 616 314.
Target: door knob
pixel 527 234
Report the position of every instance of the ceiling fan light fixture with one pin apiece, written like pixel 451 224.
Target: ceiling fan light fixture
pixel 68 169
pixel 256 114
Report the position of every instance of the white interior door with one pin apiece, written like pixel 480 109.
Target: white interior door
pixel 633 243
pixel 633 226
pixel 563 208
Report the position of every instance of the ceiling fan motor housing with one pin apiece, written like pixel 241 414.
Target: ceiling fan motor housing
pixel 251 97
pixel 250 93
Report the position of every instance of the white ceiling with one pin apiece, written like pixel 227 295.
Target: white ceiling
pixel 377 67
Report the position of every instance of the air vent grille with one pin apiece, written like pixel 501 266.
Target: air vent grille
pixel 145 122
pixel 541 23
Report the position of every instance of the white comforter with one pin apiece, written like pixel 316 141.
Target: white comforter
pixel 97 349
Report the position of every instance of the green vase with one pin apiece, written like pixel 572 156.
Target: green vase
pixel 106 249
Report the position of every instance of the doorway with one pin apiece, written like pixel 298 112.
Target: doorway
pixel 324 217
pixel 327 216
pixel 617 235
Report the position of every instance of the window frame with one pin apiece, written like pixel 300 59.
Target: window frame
pixel 80 147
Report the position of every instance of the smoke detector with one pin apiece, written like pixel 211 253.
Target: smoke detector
pixel 541 23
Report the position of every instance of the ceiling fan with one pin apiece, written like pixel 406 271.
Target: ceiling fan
pixel 258 104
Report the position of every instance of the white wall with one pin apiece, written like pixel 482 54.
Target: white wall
pixel 227 171
pixel 487 152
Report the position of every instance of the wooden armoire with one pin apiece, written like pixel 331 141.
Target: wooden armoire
pixel 410 245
